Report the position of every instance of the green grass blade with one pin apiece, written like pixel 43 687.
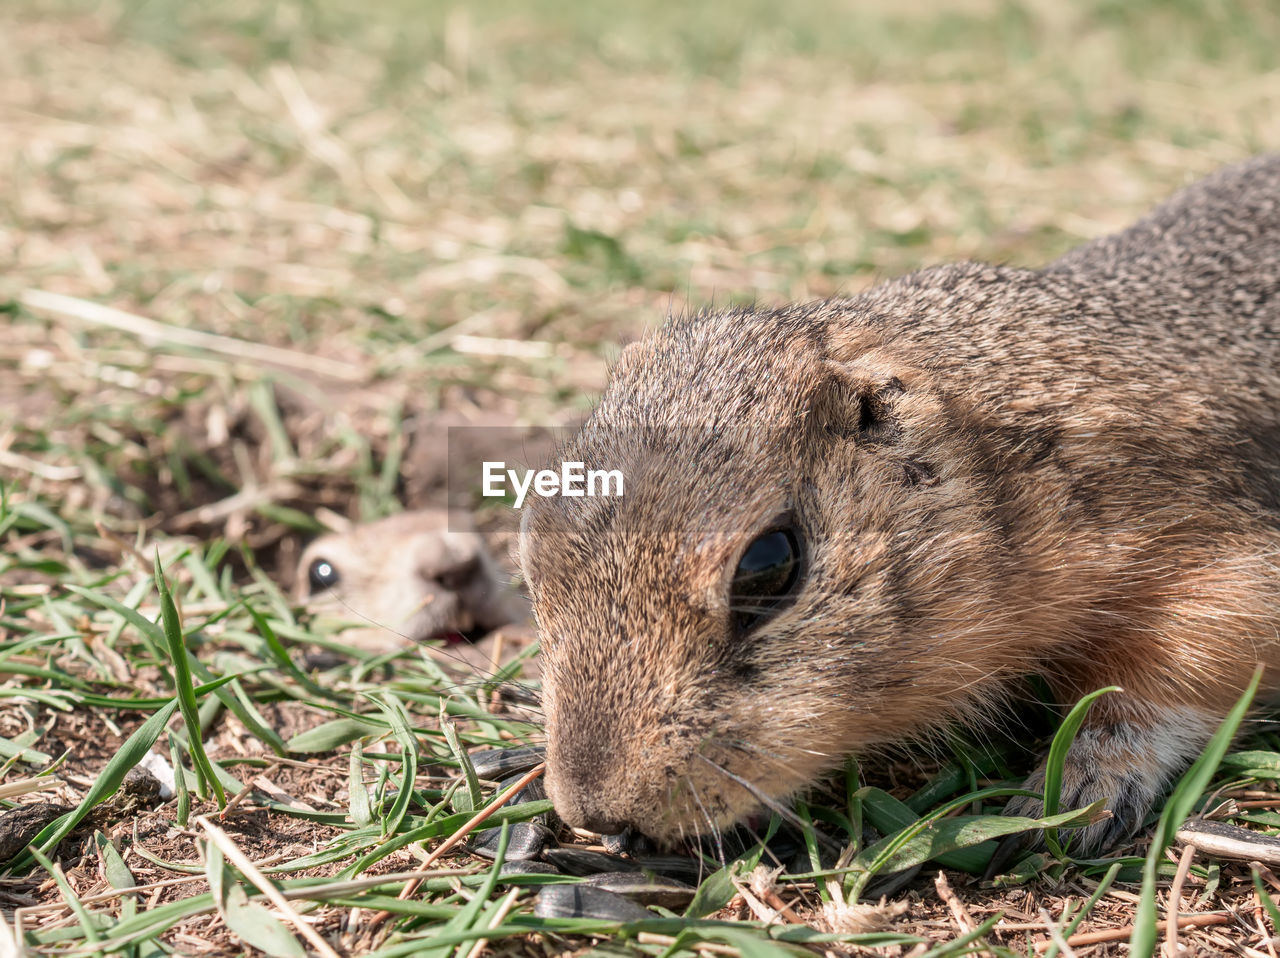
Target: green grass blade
pixel 934 835
pixel 183 808
pixel 151 634
pixel 717 889
pixel 185 688
pixel 889 815
pixel 750 943
pixel 280 654
pixel 470 799
pixel 82 914
pixel 467 916
pixel 130 754
pixel 1057 760
pixel 113 866
pixel 249 921
pixel 403 733
pixel 1180 804
pixel 358 795
pixel 1268 902
pixel 1086 909
pixel 334 734
pixel 961 945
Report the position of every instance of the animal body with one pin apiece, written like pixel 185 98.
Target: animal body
pixel 852 522
pixel 413 576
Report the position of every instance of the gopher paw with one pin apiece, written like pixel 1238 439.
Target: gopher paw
pixel 1129 796
pixel 1127 764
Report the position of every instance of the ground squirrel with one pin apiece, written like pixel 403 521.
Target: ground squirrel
pixel 414 576
pixel 851 522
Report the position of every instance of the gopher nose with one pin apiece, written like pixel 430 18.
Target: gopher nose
pixel 580 802
pixel 584 811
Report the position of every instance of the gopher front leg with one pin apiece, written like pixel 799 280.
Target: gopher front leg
pixel 1129 753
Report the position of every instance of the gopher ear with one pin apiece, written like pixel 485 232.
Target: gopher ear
pixel 524 544
pixel 858 403
pixel 631 354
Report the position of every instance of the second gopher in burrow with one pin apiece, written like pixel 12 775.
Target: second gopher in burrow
pixel 412 577
pixel 852 522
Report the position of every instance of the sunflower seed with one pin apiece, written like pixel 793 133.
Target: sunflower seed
pixel 583 901
pixel 533 792
pixel 628 843
pixel 513 867
pixel 495 763
pixel 642 888
pixel 672 866
pixel 528 840
pixel 583 861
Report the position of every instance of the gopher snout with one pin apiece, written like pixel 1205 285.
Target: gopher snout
pixel 582 804
pixel 590 777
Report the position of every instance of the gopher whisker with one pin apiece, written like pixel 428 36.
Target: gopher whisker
pixel 716 835
pixel 771 803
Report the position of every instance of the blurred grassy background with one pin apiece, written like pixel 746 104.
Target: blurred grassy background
pixel 357 176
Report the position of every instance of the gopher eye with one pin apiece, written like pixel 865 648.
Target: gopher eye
pixel 322 575
pixel 766 575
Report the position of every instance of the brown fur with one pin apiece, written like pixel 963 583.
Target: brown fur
pixel 1073 471
pixel 413 576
